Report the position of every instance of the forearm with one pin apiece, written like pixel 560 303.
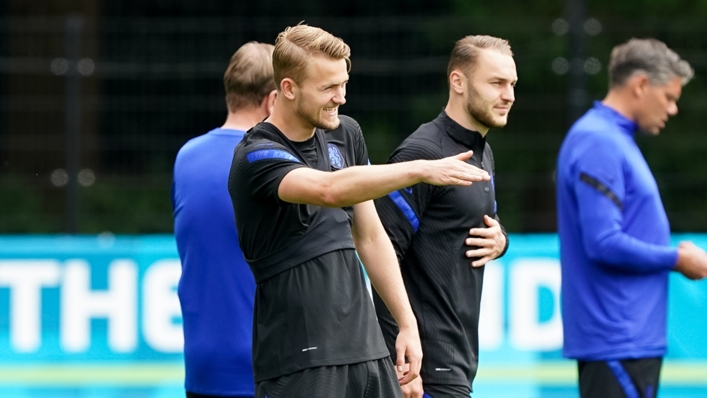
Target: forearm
pixel 379 260
pixel 605 240
pixel 619 250
pixel 361 183
pixel 358 184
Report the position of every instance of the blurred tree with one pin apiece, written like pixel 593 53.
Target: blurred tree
pixel 158 83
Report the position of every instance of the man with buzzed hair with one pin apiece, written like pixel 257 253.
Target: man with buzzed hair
pixel 443 236
pixel 216 288
pixel 301 186
pixel 614 233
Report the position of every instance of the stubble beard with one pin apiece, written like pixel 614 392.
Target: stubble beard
pixel 310 116
pixel 480 110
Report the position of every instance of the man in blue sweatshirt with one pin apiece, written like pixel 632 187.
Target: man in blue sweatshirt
pixel 216 289
pixel 614 232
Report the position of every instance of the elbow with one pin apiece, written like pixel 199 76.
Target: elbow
pixel 329 196
pixel 333 198
pixel 599 248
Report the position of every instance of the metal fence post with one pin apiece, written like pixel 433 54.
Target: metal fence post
pixel 575 15
pixel 73 27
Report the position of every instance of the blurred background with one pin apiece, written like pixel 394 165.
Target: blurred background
pixel 97 97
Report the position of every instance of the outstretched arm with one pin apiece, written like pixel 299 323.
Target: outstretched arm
pixel 379 259
pixel 358 184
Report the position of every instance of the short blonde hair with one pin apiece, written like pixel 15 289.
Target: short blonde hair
pixel 249 76
pixel 297 44
pixel 465 53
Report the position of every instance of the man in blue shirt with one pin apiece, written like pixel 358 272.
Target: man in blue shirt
pixel 216 289
pixel 614 232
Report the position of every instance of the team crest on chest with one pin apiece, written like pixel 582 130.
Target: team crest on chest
pixel 335 157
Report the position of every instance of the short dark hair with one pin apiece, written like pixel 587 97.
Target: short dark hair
pixel 650 57
pixel 466 51
pixel 249 76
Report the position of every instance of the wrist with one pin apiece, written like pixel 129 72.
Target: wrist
pixel 408 324
pixel 418 171
pixel 679 259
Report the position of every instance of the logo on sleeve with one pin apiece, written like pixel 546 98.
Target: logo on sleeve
pixel 335 158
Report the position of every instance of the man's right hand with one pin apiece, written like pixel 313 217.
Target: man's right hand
pixel 453 170
pixel 407 346
pixel 692 261
pixel 412 389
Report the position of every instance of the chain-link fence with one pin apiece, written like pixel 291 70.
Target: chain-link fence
pixel 93 111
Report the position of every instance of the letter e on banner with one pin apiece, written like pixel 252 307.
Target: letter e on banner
pixel 161 306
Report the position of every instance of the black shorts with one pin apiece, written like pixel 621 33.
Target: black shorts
pixel 195 395
pixel 629 378
pixel 445 391
pixel 372 379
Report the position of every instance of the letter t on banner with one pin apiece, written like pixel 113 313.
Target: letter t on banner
pixel 25 278
pixel 118 303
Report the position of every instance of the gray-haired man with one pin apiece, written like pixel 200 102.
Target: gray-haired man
pixel 614 232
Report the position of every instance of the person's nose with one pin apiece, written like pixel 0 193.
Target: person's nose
pixel 673 109
pixel 508 94
pixel 340 96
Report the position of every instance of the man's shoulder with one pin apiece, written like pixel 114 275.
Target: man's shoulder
pixel 348 123
pixel 595 126
pixel 261 144
pixel 424 143
pixel 592 130
pixel 196 142
pixel 262 135
pixel 205 144
pixel 348 127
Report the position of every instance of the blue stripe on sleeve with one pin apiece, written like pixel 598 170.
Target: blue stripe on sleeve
pixel 406 209
pixel 263 154
pixel 623 378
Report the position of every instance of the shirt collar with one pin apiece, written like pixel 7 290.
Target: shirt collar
pixel 223 131
pixel 469 138
pixel 626 124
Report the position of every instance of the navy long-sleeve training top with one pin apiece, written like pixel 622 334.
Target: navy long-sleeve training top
pixel 614 237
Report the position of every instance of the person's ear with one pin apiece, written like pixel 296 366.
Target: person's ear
pixel 457 82
pixel 269 102
pixel 639 85
pixel 288 88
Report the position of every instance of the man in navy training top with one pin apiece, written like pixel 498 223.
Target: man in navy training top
pixel 614 232
pixel 216 289
pixel 301 186
pixel 444 235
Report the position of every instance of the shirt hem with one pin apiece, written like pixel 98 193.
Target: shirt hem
pixel 617 353
pixel 447 382
pixel 320 363
pixel 237 393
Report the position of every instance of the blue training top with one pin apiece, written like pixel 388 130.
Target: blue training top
pixel 614 237
pixel 217 289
